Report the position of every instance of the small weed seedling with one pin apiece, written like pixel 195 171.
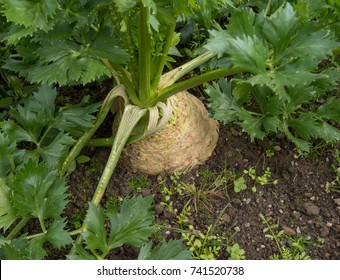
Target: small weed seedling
pixel 191 193
pixel 204 246
pixel 137 184
pixel 240 183
pixel 297 245
pixel 235 252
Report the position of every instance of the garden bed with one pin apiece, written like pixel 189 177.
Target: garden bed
pixel 302 203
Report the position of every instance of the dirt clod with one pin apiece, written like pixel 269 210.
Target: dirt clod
pixel 311 209
pixel 289 231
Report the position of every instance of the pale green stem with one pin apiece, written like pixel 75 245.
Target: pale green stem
pixel 131 116
pixel 35 235
pixel 144 56
pixel 174 75
pixel 101 142
pixel 268 7
pixel 76 231
pixel 125 78
pixel 18 227
pixel 161 63
pixel 82 141
pixel 42 225
pixel 192 82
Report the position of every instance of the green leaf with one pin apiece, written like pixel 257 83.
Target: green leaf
pixel 30 13
pixel 7 149
pixel 76 119
pixel 242 92
pixel 16 32
pixel 54 153
pixel 171 250
pixel 243 22
pixel 22 249
pixel 95 235
pixel 64 63
pixel 280 28
pixel 83 159
pixel 16 249
pixel 124 5
pixel 311 46
pixel 15 132
pixel 274 105
pixel 305 125
pixel 239 184
pixel 39 192
pixel 105 45
pixel 299 143
pixel 299 95
pixel 132 225
pixel 271 123
pixel 35 249
pixel 80 254
pixel 330 110
pixel 279 80
pixel 252 125
pixel 7 212
pixel 222 102
pixel 57 235
pixel 218 42
pixel 36 112
pixel 249 53
pixel 328 132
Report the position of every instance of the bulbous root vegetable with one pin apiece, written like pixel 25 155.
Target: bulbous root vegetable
pixel 187 140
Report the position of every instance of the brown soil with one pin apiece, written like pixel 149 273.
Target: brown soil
pixel 299 202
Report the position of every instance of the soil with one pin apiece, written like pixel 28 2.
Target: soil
pixel 299 203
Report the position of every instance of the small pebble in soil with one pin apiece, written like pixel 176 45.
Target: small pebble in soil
pixel 312 198
pixel 296 215
pixel 226 218
pixel 159 208
pixel 248 200
pixel 237 229
pixel 277 148
pixel 262 246
pixel 298 230
pixel 167 232
pixel 311 209
pixel 234 132
pixel 329 224
pixel 247 225
pixel 268 213
pixel 288 230
pixel 281 211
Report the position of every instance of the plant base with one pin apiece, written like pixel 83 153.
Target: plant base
pixel 186 141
